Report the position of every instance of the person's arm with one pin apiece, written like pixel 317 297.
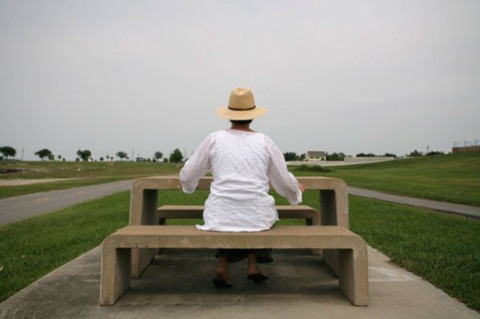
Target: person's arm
pixel 282 180
pixel 196 166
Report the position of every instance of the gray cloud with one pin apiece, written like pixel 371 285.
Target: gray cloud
pixel 369 76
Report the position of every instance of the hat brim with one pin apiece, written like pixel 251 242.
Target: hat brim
pixel 226 113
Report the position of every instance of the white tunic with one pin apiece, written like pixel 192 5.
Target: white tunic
pixel 242 165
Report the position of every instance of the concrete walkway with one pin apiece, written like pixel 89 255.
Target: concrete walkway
pixel 17 208
pixel 178 285
pixel 467 210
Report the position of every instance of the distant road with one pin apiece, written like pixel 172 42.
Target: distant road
pixel 473 211
pixel 18 208
pixel 21 207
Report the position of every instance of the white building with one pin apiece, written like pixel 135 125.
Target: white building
pixel 316 156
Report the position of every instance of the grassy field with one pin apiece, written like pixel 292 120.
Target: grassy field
pixel 31 248
pixel 441 248
pixel 452 178
pixel 75 174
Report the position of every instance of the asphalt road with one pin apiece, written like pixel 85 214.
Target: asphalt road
pixel 18 208
pixel 472 211
pixel 21 207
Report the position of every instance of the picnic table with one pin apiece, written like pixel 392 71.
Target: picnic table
pixel 129 250
pixel 145 192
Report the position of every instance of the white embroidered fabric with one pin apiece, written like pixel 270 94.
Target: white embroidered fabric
pixel 242 164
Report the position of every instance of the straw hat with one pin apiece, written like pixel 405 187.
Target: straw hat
pixel 241 106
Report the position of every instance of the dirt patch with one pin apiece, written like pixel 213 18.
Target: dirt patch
pixel 11 170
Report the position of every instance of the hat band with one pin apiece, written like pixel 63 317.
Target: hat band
pixel 237 109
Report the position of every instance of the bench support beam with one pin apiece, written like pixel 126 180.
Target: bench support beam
pixel 116 258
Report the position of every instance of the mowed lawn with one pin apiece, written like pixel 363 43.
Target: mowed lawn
pixel 75 174
pixel 451 178
pixel 441 248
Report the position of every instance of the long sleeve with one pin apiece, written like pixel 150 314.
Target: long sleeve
pixel 282 180
pixel 196 166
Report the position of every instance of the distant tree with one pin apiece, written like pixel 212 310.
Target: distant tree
pixel 415 153
pixel 165 160
pixel 84 155
pixel 44 153
pixel 366 155
pixel 8 151
pixel 59 157
pixel 433 153
pixel 335 156
pixel 302 157
pixel 390 155
pixel 158 155
pixel 121 155
pixel 176 156
pixel 101 158
pixel 290 156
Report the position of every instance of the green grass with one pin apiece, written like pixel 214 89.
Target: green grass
pixel 31 248
pixel 441 248
pixel 75 174
pixel 452 178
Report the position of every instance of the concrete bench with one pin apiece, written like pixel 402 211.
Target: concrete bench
pixel 333 203
pixel 311 215
pixel 352 250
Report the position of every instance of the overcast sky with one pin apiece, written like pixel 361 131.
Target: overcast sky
pixel 337 76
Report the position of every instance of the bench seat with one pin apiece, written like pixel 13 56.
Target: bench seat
pixel 116 250
pixel 311 215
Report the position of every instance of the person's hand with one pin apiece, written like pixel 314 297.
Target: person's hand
pixel 301 187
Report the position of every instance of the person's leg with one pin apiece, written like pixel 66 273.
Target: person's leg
pixel 222 268
pixel 252 265
pixel 221 272
pixel 253 272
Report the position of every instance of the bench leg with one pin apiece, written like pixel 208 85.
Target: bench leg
pixel 115 274
pixel 141 259
pixel 353 275
pixel 315 220
pixel 332 259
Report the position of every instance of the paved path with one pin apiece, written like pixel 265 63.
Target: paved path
pixel 18 208
pixel 441 206
pixel 179 285
pixel 21 207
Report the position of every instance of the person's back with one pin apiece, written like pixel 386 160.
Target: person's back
pixel 239 159
pixel 243 162
pixel 239 199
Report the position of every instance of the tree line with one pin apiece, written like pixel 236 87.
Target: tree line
pixel 176 156
pixel 292 156
pixel 86 155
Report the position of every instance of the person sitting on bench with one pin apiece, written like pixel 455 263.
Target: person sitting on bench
pixel 243 162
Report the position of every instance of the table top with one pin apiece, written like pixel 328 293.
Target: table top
pixel 173 182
